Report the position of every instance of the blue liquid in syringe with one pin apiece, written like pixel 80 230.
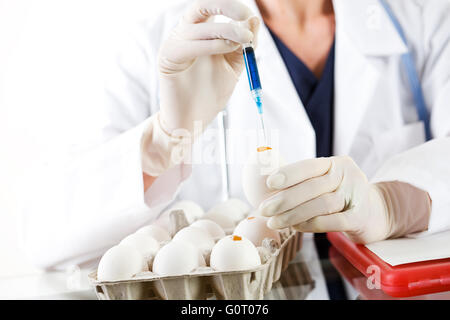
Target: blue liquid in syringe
pixel 252 69
pixel 254 83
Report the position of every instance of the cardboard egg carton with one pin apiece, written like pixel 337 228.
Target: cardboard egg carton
pixel 205 282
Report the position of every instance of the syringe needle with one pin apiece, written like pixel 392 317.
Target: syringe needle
pixel 263 128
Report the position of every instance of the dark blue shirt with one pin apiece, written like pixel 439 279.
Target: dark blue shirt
pixel 317 95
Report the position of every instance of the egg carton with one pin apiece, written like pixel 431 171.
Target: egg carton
pixel 206 283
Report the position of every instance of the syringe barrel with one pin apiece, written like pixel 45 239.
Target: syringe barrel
pixel 257 97
pixel 251 67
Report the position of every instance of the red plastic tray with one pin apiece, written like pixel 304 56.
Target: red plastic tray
pixel 406 280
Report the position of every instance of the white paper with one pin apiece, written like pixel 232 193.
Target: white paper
pixel 408 250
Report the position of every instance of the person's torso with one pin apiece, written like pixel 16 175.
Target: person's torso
pixel 374 113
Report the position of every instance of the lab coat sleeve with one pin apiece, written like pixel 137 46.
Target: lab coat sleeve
pixel 427 166
pixel 88 200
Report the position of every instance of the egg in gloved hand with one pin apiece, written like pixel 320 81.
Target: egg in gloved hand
pixel 177 258
pixel 256 230
pixel 261 163
pixel 234 253
pixel 120 263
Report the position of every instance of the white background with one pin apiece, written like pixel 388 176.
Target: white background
pixel 51 57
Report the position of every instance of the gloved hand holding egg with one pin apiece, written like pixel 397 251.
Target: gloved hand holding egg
pixel 333 194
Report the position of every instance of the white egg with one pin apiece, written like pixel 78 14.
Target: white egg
pixel 120 263
pixel 158 233
pixel 146 245
pixel 255 172
pixel 231 208
pixel 191 209
pixel 177 258
pixel 256 230
pixel 234 253
pixel 221 219
pixel 214 230
pixel 199 238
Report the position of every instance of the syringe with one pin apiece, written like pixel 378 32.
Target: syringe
pixel 255 83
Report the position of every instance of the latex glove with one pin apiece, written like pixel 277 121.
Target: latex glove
pixel 200 63
pixel 199 66
pixel 333 194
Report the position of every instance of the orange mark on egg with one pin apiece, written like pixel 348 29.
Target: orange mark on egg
pixel 250 218
pixel 261 149
pixel 237 238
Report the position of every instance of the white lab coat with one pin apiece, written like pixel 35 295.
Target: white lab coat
pixel 97 198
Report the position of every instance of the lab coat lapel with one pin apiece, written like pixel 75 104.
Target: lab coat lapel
pixel 355 83
pixel 364 33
